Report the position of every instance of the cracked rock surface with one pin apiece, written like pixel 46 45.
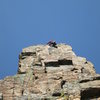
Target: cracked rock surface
pixel 48 73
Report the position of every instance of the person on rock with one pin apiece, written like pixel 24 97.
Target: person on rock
pixel 52 44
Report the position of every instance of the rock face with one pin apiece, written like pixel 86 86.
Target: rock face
pixel 48 73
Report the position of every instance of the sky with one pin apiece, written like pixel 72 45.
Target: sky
pixel 30 22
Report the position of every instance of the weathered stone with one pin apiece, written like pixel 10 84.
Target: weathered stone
pixel 1 96
pixel 48 73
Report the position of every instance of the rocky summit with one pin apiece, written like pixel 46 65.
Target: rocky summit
pixel 49 73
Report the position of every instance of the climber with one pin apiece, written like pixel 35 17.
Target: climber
pixel 52 44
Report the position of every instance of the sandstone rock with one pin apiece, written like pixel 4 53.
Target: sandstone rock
pixel 48 73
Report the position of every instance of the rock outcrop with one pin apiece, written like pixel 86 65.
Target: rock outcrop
pixel 48 73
